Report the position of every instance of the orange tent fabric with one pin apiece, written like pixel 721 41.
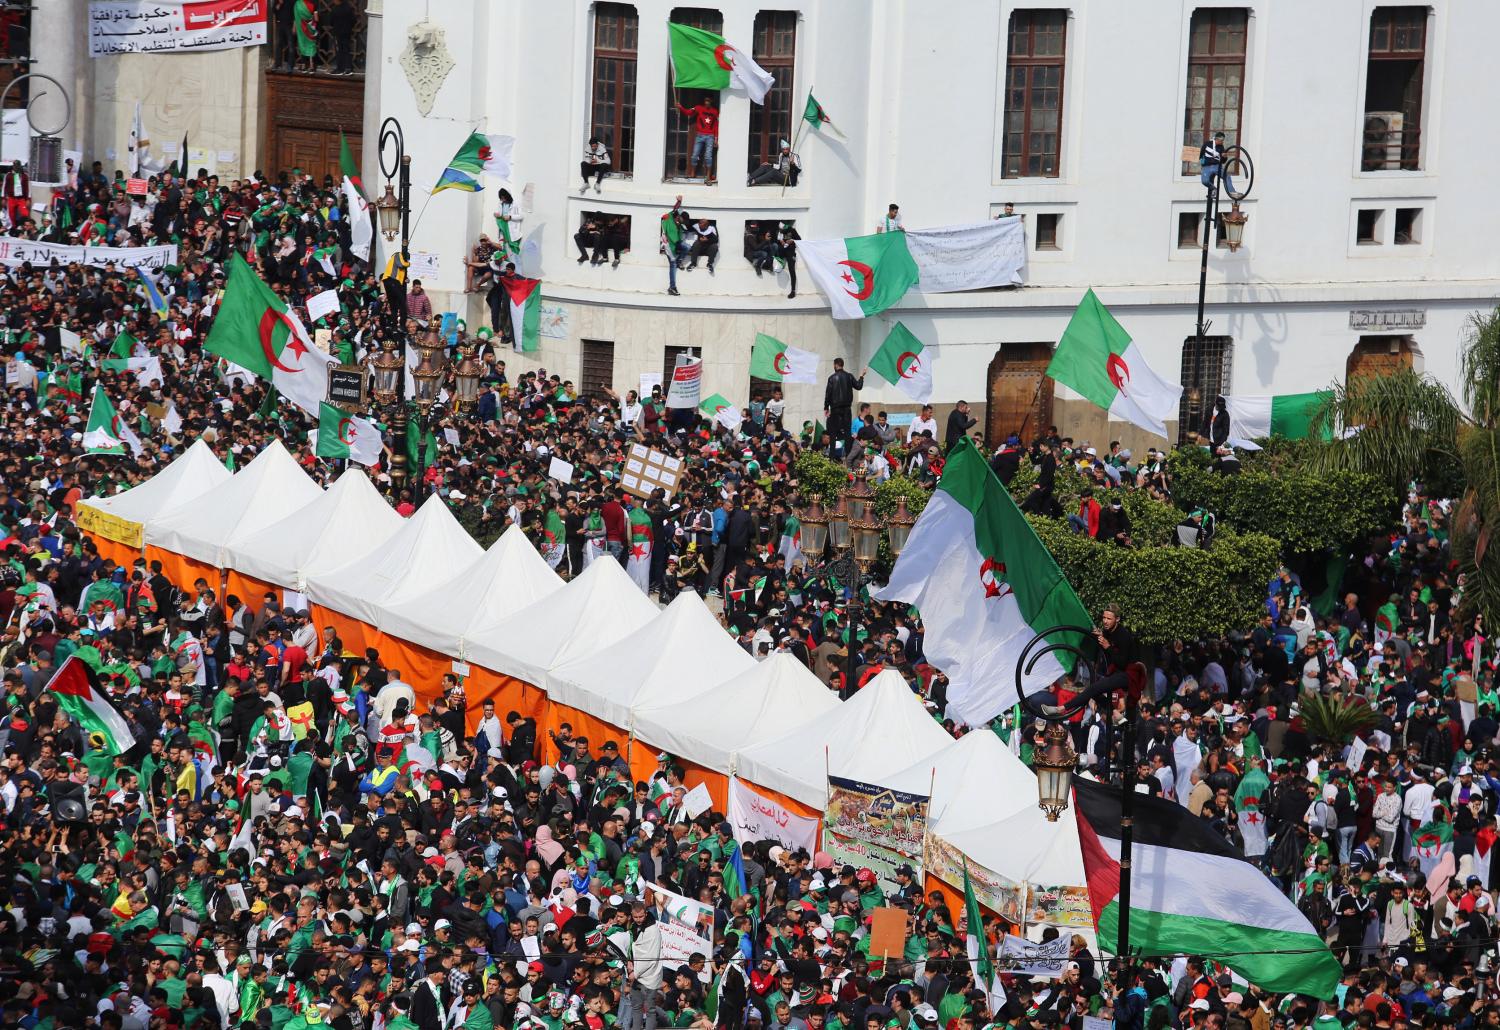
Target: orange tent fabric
pixel 248 589
pixel 120 554
pixel 182 570
pixel 508 693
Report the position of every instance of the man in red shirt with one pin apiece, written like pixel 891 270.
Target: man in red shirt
pixel 705 118
pixel 616 526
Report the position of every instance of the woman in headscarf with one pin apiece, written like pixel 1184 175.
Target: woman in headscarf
pixel 547 848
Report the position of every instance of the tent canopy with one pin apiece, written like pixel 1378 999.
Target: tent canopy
pixel 265 491
pixel 679 654
pixel 760 704
pixel 430 549
pixel 974 780
pixel 598 608
pixel 510 576
pixel 349 520
pixel 878 732
pixel 195 472
pixel 1025 848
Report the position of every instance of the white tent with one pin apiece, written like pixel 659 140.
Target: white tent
pixel 350 519
pixel 973 781
pixel 877 733
pixel 598 608
pixel 677 655
pixel 195 472
pixel 263 492
pixel 1025 848
pixel 510 576
pixel 430 549
pixel 768 701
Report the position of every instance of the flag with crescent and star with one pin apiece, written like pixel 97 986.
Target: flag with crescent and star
pixel 1097 359
pixel 705 60
pixel 254 329
pixel 341 435
pixel 860 275
pixel 905 363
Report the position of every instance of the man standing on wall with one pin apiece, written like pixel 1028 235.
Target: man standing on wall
pixel 705 116
pixel 838 401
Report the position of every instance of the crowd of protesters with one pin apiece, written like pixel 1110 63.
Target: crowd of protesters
pixel 239 867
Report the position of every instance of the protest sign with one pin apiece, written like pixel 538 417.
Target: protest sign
pixel 560 470
pixel 167 26
pixel 686 388
pixel 890 819
pixel 756 817
pixel 16 252
pixel 647 468
pixel 1030 958
pixel 887 933
pixel 697 801
pixel 321 304
pixel 686 926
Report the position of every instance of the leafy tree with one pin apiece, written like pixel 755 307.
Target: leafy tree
pixel 1336 717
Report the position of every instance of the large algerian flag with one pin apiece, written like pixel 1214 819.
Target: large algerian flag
pixel 981 962
pixel 1192 893
pixel 356 203
pixel 1248 799
pixel 79 694
pixel 106 432
pixel 776 361
pixel 702 60
pixel 1096 359
pixel 525 311
pixel 985 585
pixel 1255 417
pixel 1431 842
pixel 340 435
pixel 860 275
pixel 255 330
pixel 480 153
pixel 718 408
pixel 790 547
pixel 900 361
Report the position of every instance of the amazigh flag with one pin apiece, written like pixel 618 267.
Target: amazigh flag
pixel 981 962
pixel 718 408
pixel 985 586
pixel 1289 415
pixel 1431 842
pixel 1193 893
pixel 901 362
pixel 778 362
pixel 814 114
pixel 1248 798
pixel 255 330
pixel 525 311
pixel 479 153
pixel 703 60
pixel 1096 359
pixel 106 432
pixel 79 693
pixel 154 299
pixel 861 275
pixel 356 203
pixel 340 435
pixel 790 547
pixel 734 871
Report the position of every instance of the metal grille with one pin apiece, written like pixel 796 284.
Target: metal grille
pixel 616 34
pixel 678 159
pixel 776 52
pixel 596 366
pixel 1206 368
pixel 282 44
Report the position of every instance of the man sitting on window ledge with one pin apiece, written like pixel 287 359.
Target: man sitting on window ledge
pixel 784 171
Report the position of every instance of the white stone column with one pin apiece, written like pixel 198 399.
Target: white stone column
pixel 369 157
pixel 59 36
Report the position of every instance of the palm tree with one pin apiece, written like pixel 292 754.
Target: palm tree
pixel 1336 717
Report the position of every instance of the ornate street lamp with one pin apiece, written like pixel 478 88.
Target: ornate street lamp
pixel 466 380
pixel 386 386
pixel 1234 227
pixel 1054 771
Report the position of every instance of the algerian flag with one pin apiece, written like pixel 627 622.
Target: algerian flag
pixel 702 60
pixel 985 586
pixel 638 564
pixel 671 232
pixel 1431 842
pixel 106 432
pixel 718 408
pixel 1254 417
pixel 860 275
pixel 79 694
pixel 790 547
pixel 254 329
pixel 981 962
pixel 1096 359
pixel 900 362
pixel 814 114
pixel 776 361
pixel 340 435
pixel 525 311
pixel 1248 798
pixel 479 153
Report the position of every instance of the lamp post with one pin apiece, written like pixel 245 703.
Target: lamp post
pixel 46 154
pixel 393 211
pixel 850 533
pixel 1241 173
pixel 1055 763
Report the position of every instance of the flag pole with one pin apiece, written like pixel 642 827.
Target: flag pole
pixel 786 172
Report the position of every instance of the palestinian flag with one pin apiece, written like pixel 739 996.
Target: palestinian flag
pixel 777 362
pixel 1096 359
pixel 80 694
pixel 341 435
pixel 814 114
pixel 861 275
pixel 106 432
pixel 1258 417
pixel 703 60
pixel 1247 802
pixel 525 311
pixel 900 361
pixel 985 586
pixel 479 153
pixel 981 961
pixel 718 409
pixel 1193 893
pixel 790 547
pixel 254 329
pixel 1431 842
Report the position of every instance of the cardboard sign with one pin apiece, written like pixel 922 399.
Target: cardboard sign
pixel 646 469
pixel 887 932
pixel 323 304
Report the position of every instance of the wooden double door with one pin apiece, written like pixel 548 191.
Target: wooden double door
pixel 1019 393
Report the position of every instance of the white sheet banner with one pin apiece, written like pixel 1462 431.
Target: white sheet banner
pixel 15 252
pixel 687 926
pixel 1029 958
pixel 969 257
pixel 163 26
pixel 756 817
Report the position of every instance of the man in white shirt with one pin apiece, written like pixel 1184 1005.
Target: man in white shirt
pixel 924 420
pixel 1417 805
pixel 225 996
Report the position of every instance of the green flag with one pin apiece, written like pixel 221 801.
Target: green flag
pixel 814 114
pixel 106 432
pixel 981 962
pixel 1097 359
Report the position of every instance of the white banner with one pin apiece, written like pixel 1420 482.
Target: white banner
pixel 755 817
pixel 164 26
pixel 1019 955
pixel 320 304
pixel 687 385
pixel 15 252
pixel 969 257
pixel 687 927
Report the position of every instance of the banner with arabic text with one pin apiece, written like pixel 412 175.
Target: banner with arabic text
pixel 169 26
pixel 687 926
pixel 756 817
pixel 16 252
pixel 1054 905
pixel 863 855
pixel 889 819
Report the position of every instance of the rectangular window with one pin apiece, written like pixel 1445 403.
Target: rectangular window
pixel 1189 230
pixel 1205 375
pixel 678 163
pixel 1367 226
pixel 1408 225
pixel 1393 89
pixel 1047 224
pixel 616 30
pixel 596 366
pixel 602 236
pixel 1033 93
pixel 669 362
pixel 776 52
pixel 1215 78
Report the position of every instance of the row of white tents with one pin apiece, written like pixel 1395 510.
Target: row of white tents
pixel 664 678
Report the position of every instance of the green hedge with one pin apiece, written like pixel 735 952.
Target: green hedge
pixel 820 477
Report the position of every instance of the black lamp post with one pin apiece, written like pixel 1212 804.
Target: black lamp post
pixel 1055 763
pixel 393 211
pixel 1240 168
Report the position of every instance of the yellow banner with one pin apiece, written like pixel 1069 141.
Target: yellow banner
pixel 110 527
